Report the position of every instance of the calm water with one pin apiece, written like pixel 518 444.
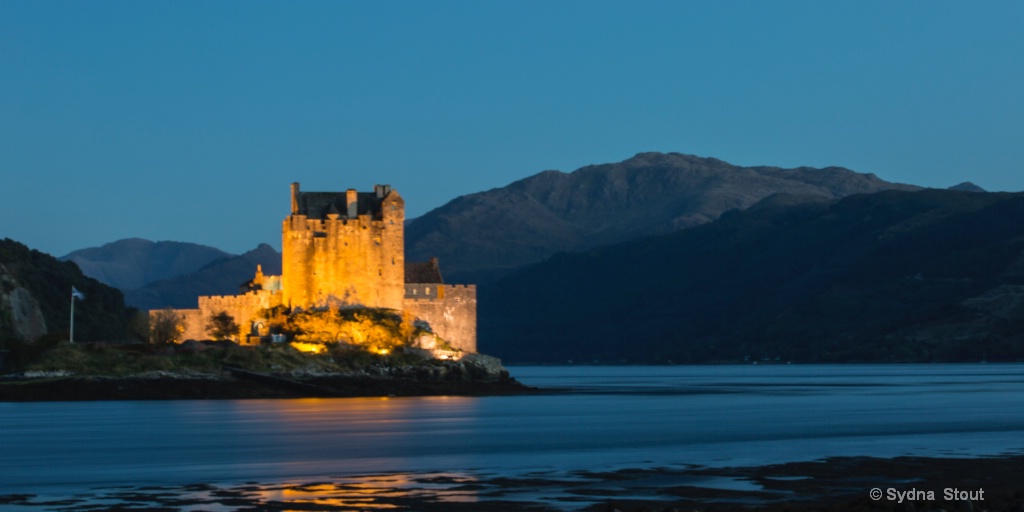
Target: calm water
pixel 606 418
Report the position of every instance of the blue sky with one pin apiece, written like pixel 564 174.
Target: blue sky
pixel 187 120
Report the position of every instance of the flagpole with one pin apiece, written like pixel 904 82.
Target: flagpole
pixel 72 336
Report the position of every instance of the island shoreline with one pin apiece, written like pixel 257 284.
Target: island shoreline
pixel 97 388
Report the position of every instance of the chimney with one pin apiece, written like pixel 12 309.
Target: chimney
pixel 295 198
pixel 352 200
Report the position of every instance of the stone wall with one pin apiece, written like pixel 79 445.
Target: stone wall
pixel 192 320
pixel 245 309
pixel 450 311
pixel 345 261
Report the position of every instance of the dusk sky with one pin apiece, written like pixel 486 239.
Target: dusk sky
pixel 187 121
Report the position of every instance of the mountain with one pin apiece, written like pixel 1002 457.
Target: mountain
pixel 967 187
pixel 35 300
pixel 933 275
pixel 220 277
pixel 482 236
pixel 132 263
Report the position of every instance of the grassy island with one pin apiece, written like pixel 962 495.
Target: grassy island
pixel 223 369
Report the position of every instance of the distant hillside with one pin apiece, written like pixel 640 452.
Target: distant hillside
pixel 967 187
pixel 220 277
pixel 132 263
pixel 934 275
pixel 35 300
pixel 482 236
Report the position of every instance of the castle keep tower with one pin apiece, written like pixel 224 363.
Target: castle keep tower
pixel 344 248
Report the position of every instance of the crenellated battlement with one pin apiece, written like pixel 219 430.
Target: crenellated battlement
pixel 256 295
pixel 299 224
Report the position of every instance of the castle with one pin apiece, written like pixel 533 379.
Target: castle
pixel 345 249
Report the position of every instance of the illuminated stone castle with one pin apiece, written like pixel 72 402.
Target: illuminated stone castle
pixel 346 249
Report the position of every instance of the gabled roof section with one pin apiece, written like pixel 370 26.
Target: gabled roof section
pixel 423 272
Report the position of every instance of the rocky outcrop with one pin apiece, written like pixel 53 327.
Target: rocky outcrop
pixel 20 314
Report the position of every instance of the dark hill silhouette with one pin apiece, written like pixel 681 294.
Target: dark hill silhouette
pixel 221 277
pixel 934 275
pixel 35 301
pixel 132 263
pixel 481 236
pixel 967 187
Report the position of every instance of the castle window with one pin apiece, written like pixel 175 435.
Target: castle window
pixel 428 290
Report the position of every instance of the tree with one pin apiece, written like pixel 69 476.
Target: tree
pixel 407 329
pixel 138 325
pixel 165 327
pixel 222 326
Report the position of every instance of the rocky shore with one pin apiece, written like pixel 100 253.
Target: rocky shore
pixel 474 375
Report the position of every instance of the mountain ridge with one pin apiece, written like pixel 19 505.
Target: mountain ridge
pixel 132 263
pixel 481 236
pixel 219 277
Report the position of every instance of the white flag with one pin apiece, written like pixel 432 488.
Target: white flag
pixel 77 294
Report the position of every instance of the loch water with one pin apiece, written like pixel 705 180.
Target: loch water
pixel 595 418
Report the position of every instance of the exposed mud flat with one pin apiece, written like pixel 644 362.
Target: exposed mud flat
pixel 841 484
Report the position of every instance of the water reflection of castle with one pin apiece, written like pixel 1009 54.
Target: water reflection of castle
pixel 346 249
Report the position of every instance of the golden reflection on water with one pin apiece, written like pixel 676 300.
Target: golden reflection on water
pixel 385 422
pixel 373 492
pixel 383 404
